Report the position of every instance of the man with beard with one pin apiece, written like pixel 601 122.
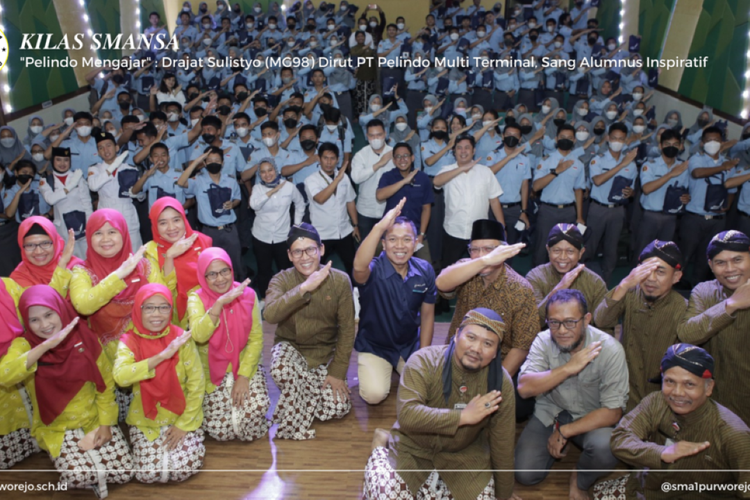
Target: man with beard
pixel 563 271
pixel 682 429
pixel 397 293
pixel 455 415
pixel 579 378
pixel 651 311
pixel 314 310
pixel 485 280
pixel 718 317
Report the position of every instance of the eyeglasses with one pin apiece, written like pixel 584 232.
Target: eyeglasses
pixel 568 252
pixel 151 309
pixel 310 251
pixel 31 247
pixel 569 323
pixel 473 251
pixel 225 273
pixel 401 157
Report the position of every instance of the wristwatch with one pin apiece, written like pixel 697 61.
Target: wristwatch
pixel 422 235
pixel 554 172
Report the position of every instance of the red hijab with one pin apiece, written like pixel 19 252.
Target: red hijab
pixel 27 273
pixel 165 387
pixel 186 264
pixel 235 323
pixel 62 371
pixel 111 320
pixel 9 316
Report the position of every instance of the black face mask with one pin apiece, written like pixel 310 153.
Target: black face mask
pixel 510 120
pixel 308 145
pixel 702 123
pixel 206 98
pixel 670 151
pixel 440 135
pixel 194 95
pixel 599 131
pixel 290 123
pixel 745 136
pixel 213 168
pixel 261 112
pixel 208 138
pixel 291 26
pixel 564 144
pixel 124 104
pixel 508 42
pixel 24 178
pixel 224 110
pixel 511 141
pixel 592 41
pixel 242 96
pixel 559 121
pixel 525 129
pixel 533 38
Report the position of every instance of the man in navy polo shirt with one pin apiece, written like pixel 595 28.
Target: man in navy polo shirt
pixel 397 293
pixel 416 186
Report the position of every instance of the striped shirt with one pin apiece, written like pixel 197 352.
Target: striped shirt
pixel 640 438
pixel 426 435
pixel 707 324
pixel 510 296
pixel 319 324
pixel 545 277
pixel 648 330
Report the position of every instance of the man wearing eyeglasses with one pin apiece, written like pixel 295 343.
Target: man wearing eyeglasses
pixel 579 377
pixel 313 309
pixel 485 280
pixel 651 310
pixel 565 249
pixel 397 293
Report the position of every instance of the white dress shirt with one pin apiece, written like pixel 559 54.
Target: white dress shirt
pixel 467 199
pixel 363 174
pixel 331 219
pixel 272 219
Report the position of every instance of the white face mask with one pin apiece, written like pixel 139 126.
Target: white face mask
pixel 637 96
pixel 331 128
pixel 68 121
pixel 186 9
pixel 400 26
pixel 550 29
pixel 242 132
pixel 173 117
pixel 290 43
pixel 480 34
pixel 257 9
pixel 637 112
pixel 454 36
pixel 84 131
pixel 38 156
pixel 375 107
pixel 401 126
pixel 546 109
pixel 313 43
pixel 582 111
pixel 532 26
pixel 611 114
pixel 269 141
pixel 611 47
pixel 206 41
pixel 53 138
pixel 249 25
pixel 428 109
pixel 362 27
pixel 476 117
pixel 712 147
pixel 558 45
pixel 373 24
pixel 582 135
pixel 331 27
pixel 36 129
pixel 194 121
pixel 672 122
pixel 206 27
pixel 333 42
pixel 376 143
pixel 616 146
pixel 141 118
pixel 486 122
pixel 271 26
pixel 638 129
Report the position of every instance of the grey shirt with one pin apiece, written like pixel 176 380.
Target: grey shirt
pixel 603 383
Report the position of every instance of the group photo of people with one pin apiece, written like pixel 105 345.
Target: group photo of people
pixel 500 264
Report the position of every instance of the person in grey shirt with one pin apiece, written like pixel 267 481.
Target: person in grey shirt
pixel 580 380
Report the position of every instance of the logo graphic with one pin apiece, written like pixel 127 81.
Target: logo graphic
pixel 4 49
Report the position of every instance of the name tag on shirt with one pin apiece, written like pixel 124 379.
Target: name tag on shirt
pixel 459 406
pixel 420 288
pixel 668 442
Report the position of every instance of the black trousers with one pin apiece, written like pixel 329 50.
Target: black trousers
pixel 228 239
pixel 265 255
pixel 344 248
pixel 453 249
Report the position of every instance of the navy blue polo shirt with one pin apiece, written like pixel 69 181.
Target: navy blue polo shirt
pixel 418 193
pixel 389 320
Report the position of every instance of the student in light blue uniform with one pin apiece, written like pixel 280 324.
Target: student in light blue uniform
pixel 21 203
pixel 233 162
pixel 161 179
pixel 437 152
pixel 739 177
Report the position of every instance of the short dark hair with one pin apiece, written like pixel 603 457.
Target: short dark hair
pixel 403 220
pixel 328 146
pixel 566 126
pixel 159 145
pixel 213 150
pixel 211 121
pixel 244 115
pixel 669 134
pixel 512 125
pixel 465 137
pixel 568 295
pixel 712 130
pixel 618 126
pixel 83 115
pixel 308 127
pixel 269 124
pixel 403 145
pixel 24 163
pixel 374 123
pixel 149 130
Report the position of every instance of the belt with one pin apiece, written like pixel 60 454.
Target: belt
pixel 220 228
pixel 510 205
pixel 707 217
pixel 566 205
pixel 605 205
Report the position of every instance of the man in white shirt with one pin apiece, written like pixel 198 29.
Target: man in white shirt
pixel 368 166
pixel 471 190
pixel 331 196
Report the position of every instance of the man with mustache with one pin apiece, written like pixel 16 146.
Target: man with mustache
pixel 681 428
pixel 650 309
pixel 718 318
pixel 456 415
pixel 579 378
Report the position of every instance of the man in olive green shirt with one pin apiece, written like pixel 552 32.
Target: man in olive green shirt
pixel 314 310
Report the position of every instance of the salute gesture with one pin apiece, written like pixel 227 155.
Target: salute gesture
pixel 127 267
pixel 181 246
pixel 501 254
pixel 53 341
pixel 315 279
pixel 390 217
pixel 67 253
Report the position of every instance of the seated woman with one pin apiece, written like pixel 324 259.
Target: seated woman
pixel 47 258
pixel 15 421
pixel 162 364
pixel 69 380
pixel 225 322
pixel 175 247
